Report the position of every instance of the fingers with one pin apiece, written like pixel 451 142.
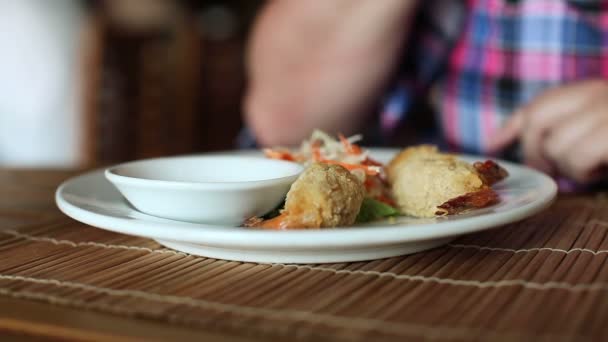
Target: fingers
pixel 565 130
pixel 531 122
pixel 548 112
pixel 569 138
pixel 557 104
pixel 584 161
pixel 507 134
pixel 532 139
pixel 532 148
pixel 571 132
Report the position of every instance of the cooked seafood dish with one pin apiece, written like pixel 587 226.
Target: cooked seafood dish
pixel 342 185
pixel 426 183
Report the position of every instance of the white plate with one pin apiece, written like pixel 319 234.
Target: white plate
pixel 91 199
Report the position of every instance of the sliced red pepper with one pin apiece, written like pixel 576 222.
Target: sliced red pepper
pixel 277 154
pixel 316 151
pixel 370 161
pixel 349 147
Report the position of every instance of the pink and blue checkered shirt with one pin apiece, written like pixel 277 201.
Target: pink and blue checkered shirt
pixel 476 61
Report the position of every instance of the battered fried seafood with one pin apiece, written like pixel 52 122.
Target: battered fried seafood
pixel 325 195
pixel 427 183
pixel 323 148
pixel 343 185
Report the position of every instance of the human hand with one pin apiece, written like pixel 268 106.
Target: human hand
pixel 564 131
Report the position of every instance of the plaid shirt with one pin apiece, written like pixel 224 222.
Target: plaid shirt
pixel 478 60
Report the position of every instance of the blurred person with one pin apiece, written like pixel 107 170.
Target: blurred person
pixel 39 121
pixel 499 76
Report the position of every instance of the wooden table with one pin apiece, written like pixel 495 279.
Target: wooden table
pixel 545 278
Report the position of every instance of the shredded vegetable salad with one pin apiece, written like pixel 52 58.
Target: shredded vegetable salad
pixel 321 147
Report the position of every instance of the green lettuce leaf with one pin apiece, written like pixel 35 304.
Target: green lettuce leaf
pixel 372 210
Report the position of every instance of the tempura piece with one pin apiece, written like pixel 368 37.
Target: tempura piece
pixel 322 196
pixel 427 183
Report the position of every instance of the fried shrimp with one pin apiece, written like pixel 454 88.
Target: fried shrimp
pixel 323 196
pixel 426 183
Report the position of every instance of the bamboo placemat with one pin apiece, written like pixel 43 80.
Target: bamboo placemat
pixel 545 278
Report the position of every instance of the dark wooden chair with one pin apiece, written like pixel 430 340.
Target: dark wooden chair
pixel 164 87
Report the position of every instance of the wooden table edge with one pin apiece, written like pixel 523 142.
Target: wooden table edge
pixel 39 319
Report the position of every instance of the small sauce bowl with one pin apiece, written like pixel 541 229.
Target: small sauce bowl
pixel 213 189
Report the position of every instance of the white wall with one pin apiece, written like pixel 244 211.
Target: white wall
pixel 39 109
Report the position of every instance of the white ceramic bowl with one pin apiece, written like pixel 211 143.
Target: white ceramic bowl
pixel 205 189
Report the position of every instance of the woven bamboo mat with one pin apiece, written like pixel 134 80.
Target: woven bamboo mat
pixel 545 278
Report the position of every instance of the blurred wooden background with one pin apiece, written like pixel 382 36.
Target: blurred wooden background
pixel 162 77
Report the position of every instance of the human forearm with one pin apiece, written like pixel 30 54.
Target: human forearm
pixel 321 64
